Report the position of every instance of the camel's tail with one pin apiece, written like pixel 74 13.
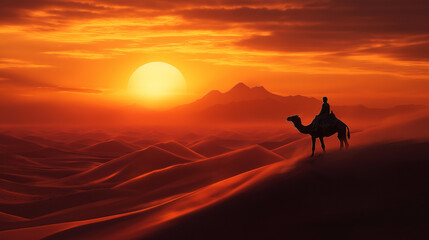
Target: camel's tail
pixel 348 131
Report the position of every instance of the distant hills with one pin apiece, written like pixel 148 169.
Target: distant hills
pixel 256 104
pixel 242 94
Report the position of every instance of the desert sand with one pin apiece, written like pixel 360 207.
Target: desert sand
pixel 225 184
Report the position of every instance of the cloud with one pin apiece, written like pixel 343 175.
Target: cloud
pixel 334 26
pixel 80 54
pixel 70 89
pixel 27 11
pixel 56 13
pixel 17 63
pixel 185 4
pixel 409 52
pixel 290 26
pixel 304 41
pixel 11 80
pixel 305 36
pixel 376 16
pixel 234 15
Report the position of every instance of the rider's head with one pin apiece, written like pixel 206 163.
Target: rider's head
pixel 325 99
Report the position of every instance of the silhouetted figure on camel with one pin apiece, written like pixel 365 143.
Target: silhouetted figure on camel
pixel 324 125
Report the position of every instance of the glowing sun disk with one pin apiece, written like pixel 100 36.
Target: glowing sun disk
pixel 155 82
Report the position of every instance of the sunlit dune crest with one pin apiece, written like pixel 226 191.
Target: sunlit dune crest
pixel 4 217
pixel 14 145
pixel 219 167
pixel 209 147
pixel 180 150
pixel 128 166
pixel 50 152
pixel 109 148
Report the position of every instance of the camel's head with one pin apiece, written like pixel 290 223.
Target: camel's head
pixel 293 119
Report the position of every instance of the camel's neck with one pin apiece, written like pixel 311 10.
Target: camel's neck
pixel 301 128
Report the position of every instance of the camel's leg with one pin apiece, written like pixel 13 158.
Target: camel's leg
pixel 322 143
pixel 341 140
pixel 346 142
pixel 314 145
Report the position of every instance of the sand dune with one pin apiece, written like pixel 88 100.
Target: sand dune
pixel 210 146
pixel 16 160
pixel 232 143
pixel 298 147
pixel 49 152
pixel 404 127
pixel 11 197
pixel 224 166
pixel 96 135
pixel 21 169
pixel 216 169
pixel 145 142
pixel 127 166
pixel 30 174
pixel 80 143
pixel 376 189
pixel 113 148
pixel 13 176
pixel 187 138
pixel 357 190
pixel 44 141
pixel 179 150
pixel 10 144
pixel 283 140
pixel 357 194
pixel 188 177
pixel 4 218
pixel 44 191
pixel 80 164
pixel 45 206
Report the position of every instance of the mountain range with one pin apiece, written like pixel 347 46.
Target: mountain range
pixel 256 104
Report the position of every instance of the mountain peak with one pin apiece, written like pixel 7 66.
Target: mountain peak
pixel 214 93
pixel 260 89
pixel 240 86
pixel 243 92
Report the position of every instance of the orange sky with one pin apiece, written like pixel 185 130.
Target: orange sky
pixel 374 52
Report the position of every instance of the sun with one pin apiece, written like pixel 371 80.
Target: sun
pixel 157 83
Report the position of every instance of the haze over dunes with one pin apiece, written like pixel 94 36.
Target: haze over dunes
pixel 240 105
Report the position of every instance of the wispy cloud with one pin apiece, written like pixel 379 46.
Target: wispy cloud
pixel 27 83
pixel 71 89
pixel 80 54
pixel 17 63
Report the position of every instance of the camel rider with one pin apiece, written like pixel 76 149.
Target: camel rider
pixel 324 113
pixel 325 108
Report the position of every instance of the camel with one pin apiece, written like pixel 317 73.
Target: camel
pixel 323 131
